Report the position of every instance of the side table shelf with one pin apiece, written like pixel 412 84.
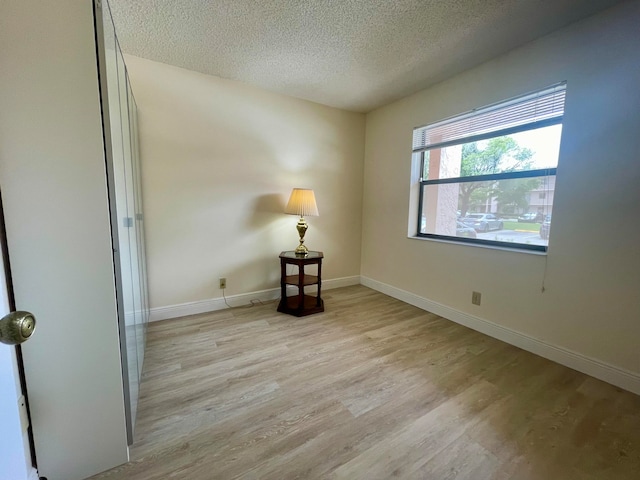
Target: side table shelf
pixel 301 304
pixel 306 279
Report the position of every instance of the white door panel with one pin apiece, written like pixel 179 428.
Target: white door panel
pixel 15 461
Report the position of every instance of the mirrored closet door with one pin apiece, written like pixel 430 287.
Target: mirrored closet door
pixel 127 220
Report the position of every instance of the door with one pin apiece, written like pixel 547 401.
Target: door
pixel 14 440
pixel 17 459
pixel 54 189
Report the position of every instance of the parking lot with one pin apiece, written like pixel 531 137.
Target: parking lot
pixel 513 236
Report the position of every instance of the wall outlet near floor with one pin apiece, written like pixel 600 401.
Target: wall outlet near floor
pixel 223 283
pixel 476 297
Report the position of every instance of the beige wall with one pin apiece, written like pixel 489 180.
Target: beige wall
pixel 219 159
pixel 591 305
pixel 52 174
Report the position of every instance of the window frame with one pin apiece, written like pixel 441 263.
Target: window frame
pixel 544 172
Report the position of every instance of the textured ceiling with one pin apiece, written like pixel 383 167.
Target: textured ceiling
pixel 351 54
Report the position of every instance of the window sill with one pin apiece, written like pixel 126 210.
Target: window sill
pixel 480 245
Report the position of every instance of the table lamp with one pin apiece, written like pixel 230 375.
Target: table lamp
pixel 302 202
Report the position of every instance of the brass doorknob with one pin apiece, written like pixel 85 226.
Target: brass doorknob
pixel 16 327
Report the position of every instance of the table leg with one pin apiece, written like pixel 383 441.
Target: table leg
pixel 283 285
pixel 318 300
pixel 300 288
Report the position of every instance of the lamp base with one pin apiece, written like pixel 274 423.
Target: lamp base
pixel 302 250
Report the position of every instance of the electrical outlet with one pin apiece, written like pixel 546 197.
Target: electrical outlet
pixel 223 283
pixel 476 297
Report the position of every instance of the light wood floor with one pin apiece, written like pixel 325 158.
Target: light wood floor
pixel 372 388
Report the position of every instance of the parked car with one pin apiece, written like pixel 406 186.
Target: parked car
pixel 545 228
pixel 483 222
pixel 531 217
pixel 463 230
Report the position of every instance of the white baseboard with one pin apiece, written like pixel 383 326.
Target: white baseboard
pixel 213 304
pixel 608 373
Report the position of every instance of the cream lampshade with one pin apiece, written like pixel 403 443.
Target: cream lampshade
pixel 302 202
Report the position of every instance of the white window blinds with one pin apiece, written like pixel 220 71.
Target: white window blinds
pixel 516 114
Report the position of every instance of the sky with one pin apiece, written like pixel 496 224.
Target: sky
pixel 545 142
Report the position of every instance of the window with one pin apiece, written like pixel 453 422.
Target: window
pixel 488 176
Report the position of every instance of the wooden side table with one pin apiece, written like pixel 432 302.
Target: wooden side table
pixel 300 304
